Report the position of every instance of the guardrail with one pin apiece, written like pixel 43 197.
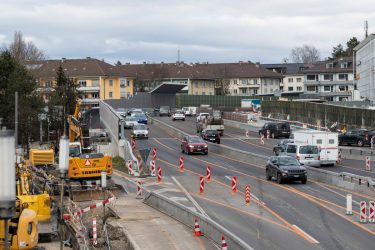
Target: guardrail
pixel 363 184
pixel 186 216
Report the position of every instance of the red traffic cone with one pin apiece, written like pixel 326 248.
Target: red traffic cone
pixel 197 229
pixel 224 245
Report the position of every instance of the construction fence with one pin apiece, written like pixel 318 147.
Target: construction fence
pixel 324 115
pixel 216 101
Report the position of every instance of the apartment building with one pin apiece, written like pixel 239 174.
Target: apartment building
pixel 293 77
pixel 95 79
pixel 365 74
pixel 331 80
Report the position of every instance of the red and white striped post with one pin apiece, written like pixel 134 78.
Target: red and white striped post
pixel 368 163
pixel 372 142
pixel 268 134
pixel 234 185
pixel 371 214
pixel 363 211
pixel 181 164
pixel 247 134
pixel 224 245
pixel 247 195
pixel 159 174
pixel 130 167
pixel 153 171
pixel 262 139
pixel 140 162
pixel 349 204
pixel 94 232
pixel 339 157
pixel 139 190
pixel 201 186
pixel 208 173
pixel 154 154
pixel 133 144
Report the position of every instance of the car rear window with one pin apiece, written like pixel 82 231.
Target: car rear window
pixel 283 126
pixel 211 132
pixel 309 149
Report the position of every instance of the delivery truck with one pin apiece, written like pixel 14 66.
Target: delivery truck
pixel 327 143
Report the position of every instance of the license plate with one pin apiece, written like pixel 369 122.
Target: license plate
pixel 199 149
pixel 212 139
pixel 308 157
pixel 296 176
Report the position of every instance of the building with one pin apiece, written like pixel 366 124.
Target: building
pixel 331 80
pixel 292 73
pixel 365 74
pixel 95 79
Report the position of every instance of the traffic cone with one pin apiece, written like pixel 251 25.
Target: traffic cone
pixel 197 229
pixel 224 245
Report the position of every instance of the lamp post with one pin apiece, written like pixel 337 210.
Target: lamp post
pixel 63 167
pixel 7 179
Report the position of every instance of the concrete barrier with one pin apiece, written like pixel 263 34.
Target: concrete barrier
pixel 356 153
pixel 186 216
pixel 346 180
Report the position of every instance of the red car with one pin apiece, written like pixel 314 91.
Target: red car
pixel 193 144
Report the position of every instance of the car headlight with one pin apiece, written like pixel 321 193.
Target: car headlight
pixel 285 171
pixel 205 146
pixel 191 146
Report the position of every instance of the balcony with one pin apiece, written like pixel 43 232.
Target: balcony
pixel 45 89
pixel 90 100
pixel 312 83
pixel 90 89
pixel 335 93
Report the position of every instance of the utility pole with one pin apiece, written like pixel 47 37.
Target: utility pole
pixel 16 119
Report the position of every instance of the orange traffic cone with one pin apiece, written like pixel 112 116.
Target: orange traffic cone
pixel 197 229
pixel 224 245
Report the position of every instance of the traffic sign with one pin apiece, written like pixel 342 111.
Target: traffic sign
pixel 145 152
pixel 87 162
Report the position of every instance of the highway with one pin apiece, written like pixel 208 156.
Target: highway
pixel 236 138
pixel 289 216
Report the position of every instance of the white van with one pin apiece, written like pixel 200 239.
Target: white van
pixel 327 143
pixel 306 154
pixel 193 111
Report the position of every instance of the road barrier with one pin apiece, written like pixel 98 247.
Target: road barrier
pixel 349 204
pixel 159 174
pixel 247 195
pixel 371 214
pixel 181 164
pixel 211 229
pixel 201 185
pixel 208 173
pixel 154 154
pixel 153 171
pixel 363 212
pixel 94 232
pixel 139 190
pixel 343 179
pixel 368 163
pixel 197 229
pixel 262 139
pixel 130 167
pixel 224 245
pixel 234 184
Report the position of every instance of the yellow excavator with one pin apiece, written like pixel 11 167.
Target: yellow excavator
pixel 30 208
pixel 82 163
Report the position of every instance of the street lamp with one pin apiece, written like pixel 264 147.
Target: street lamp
pixel 63 167
pixel 7 179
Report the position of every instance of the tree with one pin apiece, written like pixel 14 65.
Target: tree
pixel 338 52
pixel 351 44
pixel 118 63
pixel 15 77
pixel 24 51
pixel 305 54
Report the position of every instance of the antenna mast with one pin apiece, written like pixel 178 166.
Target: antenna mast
pixel 366 28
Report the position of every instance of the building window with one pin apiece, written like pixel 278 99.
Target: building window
pixel 243 91
pixel 82 83
pixel 235 91
pixel 245 81
pixel 196 84
pixel 110 94
pixel 235 82
pixel 311 88
pixel 95 95
pixel 299 88
pixel 290 80
pixel 203 93
pixel 299 79
pixel 344 65
pixel 111 83
pixel 343 77
pixel 204 84
pixel 328 77
pixel 329 65
pixel 312 77
pixel 344 88
pixel 255 81
pixel 255 91
pixel 128 83
pixel 122 83
pixel 290 89
pixel 328 88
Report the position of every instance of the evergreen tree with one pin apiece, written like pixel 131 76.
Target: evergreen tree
pixel 351 45
pixel 118 63
pixel 338 51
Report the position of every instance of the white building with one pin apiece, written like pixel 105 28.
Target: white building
pixel 365 65
pixel 292 75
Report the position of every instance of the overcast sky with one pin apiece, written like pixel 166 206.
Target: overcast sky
pixel 206 30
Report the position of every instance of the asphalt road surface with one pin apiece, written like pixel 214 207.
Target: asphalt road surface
pixel 288 216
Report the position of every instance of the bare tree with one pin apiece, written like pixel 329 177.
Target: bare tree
pixel 24 51
pixel 305 54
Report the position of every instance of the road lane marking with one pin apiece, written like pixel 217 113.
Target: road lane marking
pixel 190 197
pixel 333 191
pixel 176 198
pixel 307 235
pixel 162 190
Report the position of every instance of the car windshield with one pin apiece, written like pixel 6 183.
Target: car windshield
pixel 140 116
pixel 140 127
pixel 130 119
pixel 164 108
pixel 74 151
pixel 288 161
pixel 185 109
pixel 309 149
pixel 179 112
pixel 283 126
pixel 211 132
pixel 195 140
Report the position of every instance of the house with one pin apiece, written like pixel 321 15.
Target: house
pixel 331 80
pixel 95 79
pixel 292 75
pixel 365 74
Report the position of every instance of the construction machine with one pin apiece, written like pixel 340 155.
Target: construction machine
pixel 83 164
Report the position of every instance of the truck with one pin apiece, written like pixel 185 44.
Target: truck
pixel 214 122
pixel 327 143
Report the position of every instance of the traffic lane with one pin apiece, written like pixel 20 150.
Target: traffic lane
pixel 304 206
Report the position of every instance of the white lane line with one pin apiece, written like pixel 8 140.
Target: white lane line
pixel 190 197
pixel 159 191
pixel 178 198
pixel 306 234
pixel 229 178
pixel 333 191
pixel 191 208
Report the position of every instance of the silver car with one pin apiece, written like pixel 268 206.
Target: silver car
pixel 140 131
pixel 130 121
pixel 307 155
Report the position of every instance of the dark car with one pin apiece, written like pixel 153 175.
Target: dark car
pixel 141 118
pixel 359 137
pixel 277 129
pixel 211 135
pixel 164 111
pixel 285 168
pixel 193 144
pixel 281 146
